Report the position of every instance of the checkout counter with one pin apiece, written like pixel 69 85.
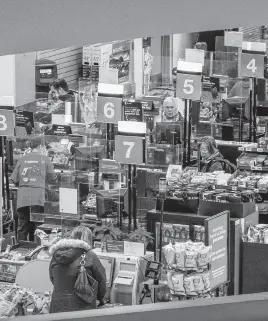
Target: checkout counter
pixel 125 274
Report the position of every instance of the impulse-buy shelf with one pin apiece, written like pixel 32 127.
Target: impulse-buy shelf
pixel 254 149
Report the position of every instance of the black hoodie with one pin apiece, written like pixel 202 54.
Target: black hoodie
pixel 64 268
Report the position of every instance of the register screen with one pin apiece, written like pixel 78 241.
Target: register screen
pixel 108 265
pixel 127 267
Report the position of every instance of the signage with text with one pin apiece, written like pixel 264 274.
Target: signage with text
pixel 129 149
pixel 217 236
pixel 7 122
pixel 188 86
pixel 109 109
pixel 133 111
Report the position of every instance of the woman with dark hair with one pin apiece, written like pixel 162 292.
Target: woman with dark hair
pixel 211 159
pixel 67 257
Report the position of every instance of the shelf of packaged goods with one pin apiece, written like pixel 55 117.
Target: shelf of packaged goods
pixel 254 168
pixel 254 149
pixel 240 189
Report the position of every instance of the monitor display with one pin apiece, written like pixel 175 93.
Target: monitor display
pixel 46 73
pixel 108 264
pixel 168 133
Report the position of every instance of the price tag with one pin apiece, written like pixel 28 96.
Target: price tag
pixel 129 149
pixel 7 122
pixel 241 149
pixel 256 190
pixel 188 86
pixel 252 65
pixel 234 188
pixel 249 149
pixel 259 150
pixel 109 110
pixel 258 168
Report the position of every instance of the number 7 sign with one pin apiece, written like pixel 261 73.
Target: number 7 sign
pixel 129 149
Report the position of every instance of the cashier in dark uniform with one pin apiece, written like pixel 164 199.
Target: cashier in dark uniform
pixel 32 174
pixel 60 94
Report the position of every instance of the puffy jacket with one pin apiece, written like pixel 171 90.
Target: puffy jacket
pixel 64 268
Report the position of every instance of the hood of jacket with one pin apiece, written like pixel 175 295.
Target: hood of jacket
pixel 66 251
pixel 216 155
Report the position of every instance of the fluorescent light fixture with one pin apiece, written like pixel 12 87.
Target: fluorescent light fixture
pixel 131 127
pixel 254 46
pixel 110 89
pixel 185 66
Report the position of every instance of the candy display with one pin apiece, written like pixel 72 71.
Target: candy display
pixel 188 269
pixel 257 234
pixel 15 301
pixel 250 180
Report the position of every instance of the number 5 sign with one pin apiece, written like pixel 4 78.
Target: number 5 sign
pixel 6 122
pixel 129 150
pixel 189 80
pixel 109 109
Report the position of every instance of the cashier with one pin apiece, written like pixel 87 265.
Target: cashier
pixel 60 94
pixel 32 174
pixel 211 159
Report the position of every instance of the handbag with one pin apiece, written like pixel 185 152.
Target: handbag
pixel 86 287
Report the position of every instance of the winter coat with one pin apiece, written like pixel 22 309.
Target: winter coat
pixel 64 267
pixel 214 163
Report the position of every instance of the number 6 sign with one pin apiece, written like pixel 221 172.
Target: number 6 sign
pixel 129 150
pixel 109 109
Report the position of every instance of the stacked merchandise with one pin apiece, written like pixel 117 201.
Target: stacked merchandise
pixel 224 196
pixel 16 301
pixel 187 265
pixel 250 180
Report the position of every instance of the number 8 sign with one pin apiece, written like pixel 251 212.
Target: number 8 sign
pixel 6 122
pixel 129 150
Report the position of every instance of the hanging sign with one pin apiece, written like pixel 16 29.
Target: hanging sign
pixel 109 103
pixel 252 59
pixel 189 80
pixel 217 236
pixel 7 121
pixel 195 55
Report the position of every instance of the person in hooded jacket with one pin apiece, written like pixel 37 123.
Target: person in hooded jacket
pixel 64 268
pixel 211 159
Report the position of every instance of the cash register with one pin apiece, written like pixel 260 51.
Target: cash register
pixel 128 272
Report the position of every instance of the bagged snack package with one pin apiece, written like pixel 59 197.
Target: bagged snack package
pixel 204 257
pixel 198 283
pixel 180 255
pixel 169 254
pixel 176 284
pixel 190 259
pixel 206 281
pixel 189 286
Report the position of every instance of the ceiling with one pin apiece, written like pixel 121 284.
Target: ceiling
pixel 31 25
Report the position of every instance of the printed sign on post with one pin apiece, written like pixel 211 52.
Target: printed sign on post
pixel 217 236
pixel 7 120
pixel 129 149
pixel 109 109
pixel 252 65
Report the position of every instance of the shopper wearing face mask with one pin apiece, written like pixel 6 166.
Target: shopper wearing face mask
pixel 32 174
pixel 211 159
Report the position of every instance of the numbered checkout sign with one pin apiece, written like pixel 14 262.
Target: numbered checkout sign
pixel 129 149
pixel 189 80
pixel 6 122
pixel 252 59
pixel 109 103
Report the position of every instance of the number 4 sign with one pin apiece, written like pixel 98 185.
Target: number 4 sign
pixel 129 150
pixel 252 65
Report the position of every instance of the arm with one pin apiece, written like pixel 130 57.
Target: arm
pixel 99 274
pixel 51 176
pixel 50 271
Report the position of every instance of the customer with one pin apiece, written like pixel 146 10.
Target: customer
pixel 211 158
pixel 60 94
pixel 32 174
pixel 64 269
pixel 170 110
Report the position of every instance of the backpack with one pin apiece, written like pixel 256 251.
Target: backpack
pixel 227 166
